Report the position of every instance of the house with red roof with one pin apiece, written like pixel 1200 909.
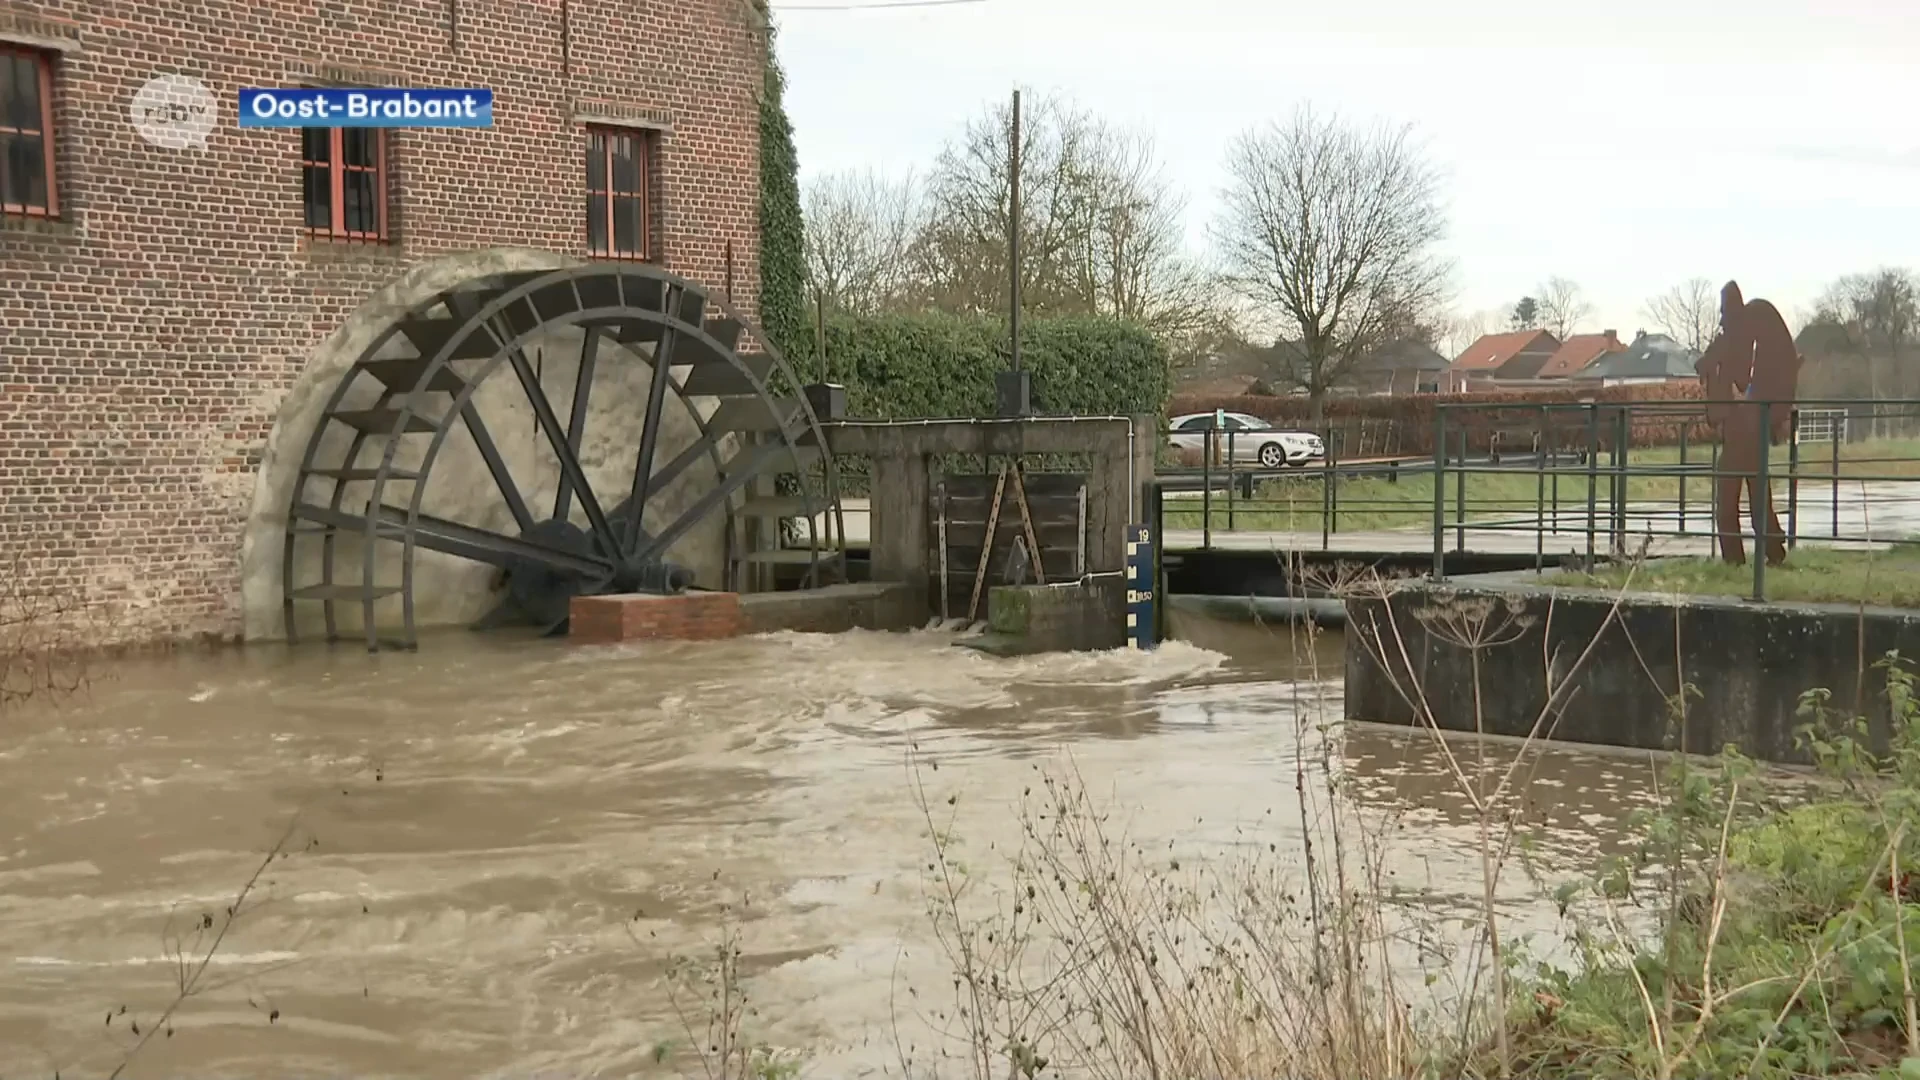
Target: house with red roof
pixel 1579 352
pixel 1517 354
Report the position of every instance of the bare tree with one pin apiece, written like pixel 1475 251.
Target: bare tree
pixel 1689 313
pixel 1458 331
pixel 860 233
pixel 1873 319
pixel 1100 224
pixel 1880 310
pixel 1562 307
pixel 1330 228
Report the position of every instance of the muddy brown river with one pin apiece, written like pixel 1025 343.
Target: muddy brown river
pixel 496 843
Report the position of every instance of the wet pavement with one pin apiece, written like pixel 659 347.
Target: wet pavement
pixel 497 844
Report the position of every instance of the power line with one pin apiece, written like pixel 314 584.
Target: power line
pixel 875 6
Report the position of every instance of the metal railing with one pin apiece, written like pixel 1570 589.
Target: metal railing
pixel 1582 482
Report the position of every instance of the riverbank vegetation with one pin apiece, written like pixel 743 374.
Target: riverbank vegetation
pixel 1761 928
pixel 1765 924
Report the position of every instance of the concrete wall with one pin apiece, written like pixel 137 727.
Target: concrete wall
pixel 448 590
pixel 1026 619
pixel 1122 450
pixel 1749 664
pixel 834 609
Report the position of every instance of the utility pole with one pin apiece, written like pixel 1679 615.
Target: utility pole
pixel 1014 387
pixel 1013 231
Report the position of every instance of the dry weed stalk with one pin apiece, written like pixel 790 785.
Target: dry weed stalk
pixel 1477 624
pixel 44 638
pixel 192 950
pixel 1100 955
pixel 709 996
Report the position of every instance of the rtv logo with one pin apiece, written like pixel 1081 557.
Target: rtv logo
pixel 173 111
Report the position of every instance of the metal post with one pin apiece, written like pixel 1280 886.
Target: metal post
pixel 1460 495
pixel 1440 493
pixel 1762 490
pixel 1622 436
pixel 1835 495
pixel 1686 424
pixel 1553 455
pixel 1208 442
pixel 1793 482
pixel 1539 496
pixel 946 589
pixel 1230 462
pixel 1333 486
pixel 1593 475
pixel 1326 502
pixel 1013 234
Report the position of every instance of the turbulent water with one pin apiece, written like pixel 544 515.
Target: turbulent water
pixel 494 845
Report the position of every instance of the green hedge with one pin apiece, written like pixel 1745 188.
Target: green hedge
pixel 911 366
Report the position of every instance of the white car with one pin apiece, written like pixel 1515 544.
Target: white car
pixel 1252 439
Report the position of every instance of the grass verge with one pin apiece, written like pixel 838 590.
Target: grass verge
pixel 1816 575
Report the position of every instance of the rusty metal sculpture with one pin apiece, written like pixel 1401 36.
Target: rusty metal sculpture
pixel 1750 361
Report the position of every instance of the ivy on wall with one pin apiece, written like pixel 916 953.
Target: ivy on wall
pixel 783 260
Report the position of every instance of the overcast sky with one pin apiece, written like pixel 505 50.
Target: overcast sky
pixel 1627 145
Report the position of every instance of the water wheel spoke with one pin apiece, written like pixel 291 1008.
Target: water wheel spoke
pixel 496 465
pixel 733 481
pixel 577 419
pixel 570 469
pixel 548 562
pixel 643 488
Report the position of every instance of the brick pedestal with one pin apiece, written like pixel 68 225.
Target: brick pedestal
pixel 699 616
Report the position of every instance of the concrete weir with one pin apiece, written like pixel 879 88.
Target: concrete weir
pixel 1080 610
pixel 1609 670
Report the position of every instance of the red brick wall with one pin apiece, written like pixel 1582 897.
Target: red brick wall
pixel 699 616
pixel 147 339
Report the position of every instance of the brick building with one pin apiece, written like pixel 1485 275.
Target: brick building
pixel 158 306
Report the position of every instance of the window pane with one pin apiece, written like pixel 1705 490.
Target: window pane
pixel 626 167
pixel 318 198
pixel 23 172
pixel 24 113
pixel 362 215
pixel 7 60
pixel 33 169
pixel 626 226
pixel 316 144
pixel 596 162
pixel 359 146
pixel 596 223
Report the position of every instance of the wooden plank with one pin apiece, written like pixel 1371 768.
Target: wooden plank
pixel 1052 508
pixel 960 581
pixel 1039 484
pixel 968 534
pixel 977 522
pixel 964 561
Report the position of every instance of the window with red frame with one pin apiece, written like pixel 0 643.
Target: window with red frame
pixel 619 177
pixel 343 173
pixel 26 133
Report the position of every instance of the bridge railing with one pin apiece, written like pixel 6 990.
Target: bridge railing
pixel 1574 484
